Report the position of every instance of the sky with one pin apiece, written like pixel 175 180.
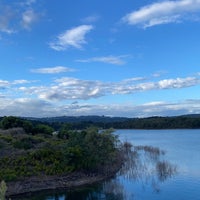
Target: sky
pixel 127 58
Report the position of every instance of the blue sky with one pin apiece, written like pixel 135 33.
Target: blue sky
pixel 125 58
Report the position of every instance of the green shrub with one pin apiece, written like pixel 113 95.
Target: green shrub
pixel 87 150
pixel 7 138
pixel 8 174
pixel 26 143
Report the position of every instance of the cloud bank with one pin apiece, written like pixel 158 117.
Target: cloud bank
pixel 40 108
pixel 62 97
pixel 68 88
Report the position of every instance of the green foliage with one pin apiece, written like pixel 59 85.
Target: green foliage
pixel 90 149
pixel 64 131
pixel 24 143
pixel 179 122
pixel 27 155
pixel 29 127
pixel 7 138
pixel 64 125
pixel 44 129
pixel 10 122
pixel 74 156
pixel 13 122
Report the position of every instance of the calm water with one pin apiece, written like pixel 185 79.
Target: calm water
pixel 182 149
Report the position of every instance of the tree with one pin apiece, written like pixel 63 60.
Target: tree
pixel 10 122
pixel 14 122
pixel 64 131
pixel 44 129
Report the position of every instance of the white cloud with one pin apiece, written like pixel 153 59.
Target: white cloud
pixel 74 37
pixel 2 96
pixel 72 88
pixel 16 16
pixel 162 13
pixel 76 89
pixel 4 83
pixel 22 81
pixel 158 73
pixel 134 79
pixel 7 14
pixel 162 84
pixel 25 107
pixel 178 82
pixel 90 19
pixel 164 20
pixel 30 2
pixel 67 89
pixel 115 60
pixel 52 70
pixel 28 18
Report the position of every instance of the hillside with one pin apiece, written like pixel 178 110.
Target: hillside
pixel 78 119
pixel 81 122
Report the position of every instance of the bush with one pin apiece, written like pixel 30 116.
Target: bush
pixel 44 129
pixel 6 138
pixel 24 143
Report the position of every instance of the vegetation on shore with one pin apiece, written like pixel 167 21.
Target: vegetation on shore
pixel 43 152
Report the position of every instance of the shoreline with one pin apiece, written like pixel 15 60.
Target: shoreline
pixel 36 184
pixel 58 182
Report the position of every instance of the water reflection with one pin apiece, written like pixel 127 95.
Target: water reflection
pixel 144 164
pixel 98 192
pixel 165 170
pixel 114 190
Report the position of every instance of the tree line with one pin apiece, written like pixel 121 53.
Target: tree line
pixel 177 122
pixel 63 124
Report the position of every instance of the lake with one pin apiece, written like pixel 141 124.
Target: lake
pixel 144 181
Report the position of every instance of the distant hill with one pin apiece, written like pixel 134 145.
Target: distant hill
pixel 100 119
pixel 191 115
pixel 78 119
pixel 154 122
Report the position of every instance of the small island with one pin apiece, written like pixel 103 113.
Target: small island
pixel 34 156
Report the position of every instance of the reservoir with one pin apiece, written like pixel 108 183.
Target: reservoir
pixel 181 150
